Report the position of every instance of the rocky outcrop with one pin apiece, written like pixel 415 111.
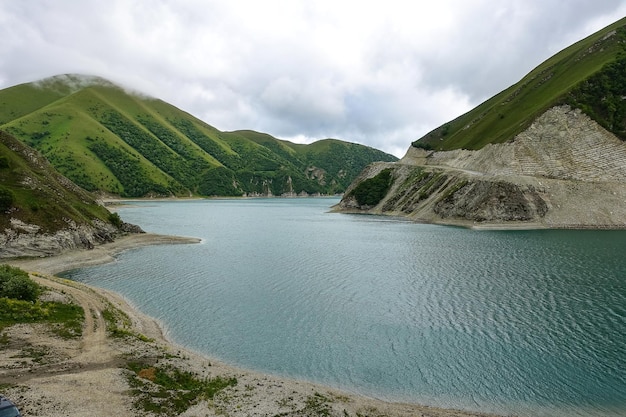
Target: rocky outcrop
pixel 565 171
pixel 27 240
pixel 483 201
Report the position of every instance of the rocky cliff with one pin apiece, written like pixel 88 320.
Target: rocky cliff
pixel 564 171
pixel 26 240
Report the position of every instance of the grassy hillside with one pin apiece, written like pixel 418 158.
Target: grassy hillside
pixel 109 140
pixel 33 192
pixel 589 75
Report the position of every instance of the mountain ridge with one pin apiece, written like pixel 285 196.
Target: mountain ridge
pixel 110 140
pixel 551 83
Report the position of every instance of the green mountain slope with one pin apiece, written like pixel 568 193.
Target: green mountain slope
pixel 32 192
pixel 109 140
pixel 590 75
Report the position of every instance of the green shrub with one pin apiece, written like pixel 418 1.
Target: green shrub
pixel 16 284
pixel 372 190
pixel 6 199
pixel 422 145
pixel 115 220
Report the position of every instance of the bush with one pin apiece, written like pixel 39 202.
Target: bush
pixel 422 145
pixel 372 190
pixel 6 199
pixel 16 284
pixel 115 220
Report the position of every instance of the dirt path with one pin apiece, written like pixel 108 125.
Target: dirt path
pixel 59 356
pixel 94 347
pixel 55 376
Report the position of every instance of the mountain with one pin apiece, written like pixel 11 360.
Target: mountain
pixel 42 212
pixel 110 140
pixel 589 75
pixel 547 152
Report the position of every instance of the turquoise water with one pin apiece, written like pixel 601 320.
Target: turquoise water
pixel 517 322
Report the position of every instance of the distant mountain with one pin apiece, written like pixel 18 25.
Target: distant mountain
pixel 110 140
pixel 549 151
pixel 42 212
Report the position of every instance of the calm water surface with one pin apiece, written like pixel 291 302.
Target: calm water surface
pixel 518 322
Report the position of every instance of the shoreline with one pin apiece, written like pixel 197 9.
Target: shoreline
pixel 101 254
pixel 269 394
pixel 482 226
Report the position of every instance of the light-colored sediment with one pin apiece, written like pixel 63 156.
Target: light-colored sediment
pixel 73 259
pixel 86 377
pixel 563 172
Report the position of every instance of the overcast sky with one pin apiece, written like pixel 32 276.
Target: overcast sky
pixel 380 73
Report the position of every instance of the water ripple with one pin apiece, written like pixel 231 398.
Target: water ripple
pixel 524 323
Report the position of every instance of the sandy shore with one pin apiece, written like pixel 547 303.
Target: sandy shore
pixel 88 376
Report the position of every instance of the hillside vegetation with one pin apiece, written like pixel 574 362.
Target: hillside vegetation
pixel 589 75
pixel 109 140
pixel 33 193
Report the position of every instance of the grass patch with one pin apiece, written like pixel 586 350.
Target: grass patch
pixel 118 325
pixel 67 318
pixel 166 390
pixel 317 405
pixel 435 181
pixel 6 386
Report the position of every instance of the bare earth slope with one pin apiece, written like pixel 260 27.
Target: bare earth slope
pixel 49 376
pixel 564 171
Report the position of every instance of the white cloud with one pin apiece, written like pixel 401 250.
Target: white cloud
pixel 377 73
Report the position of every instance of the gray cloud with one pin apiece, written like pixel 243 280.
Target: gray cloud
pixel 381 74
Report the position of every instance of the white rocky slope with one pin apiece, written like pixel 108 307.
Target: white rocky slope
pixel 565 171
pixel 26 240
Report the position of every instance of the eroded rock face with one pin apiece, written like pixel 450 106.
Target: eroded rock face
pixel 484 201
pixel 23 240
pixel 563 171
pixel 563 143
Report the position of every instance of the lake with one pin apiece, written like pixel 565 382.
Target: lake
pixel 511 322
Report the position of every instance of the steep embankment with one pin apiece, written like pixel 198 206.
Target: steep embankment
pixel 564 171
pixel 43 213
